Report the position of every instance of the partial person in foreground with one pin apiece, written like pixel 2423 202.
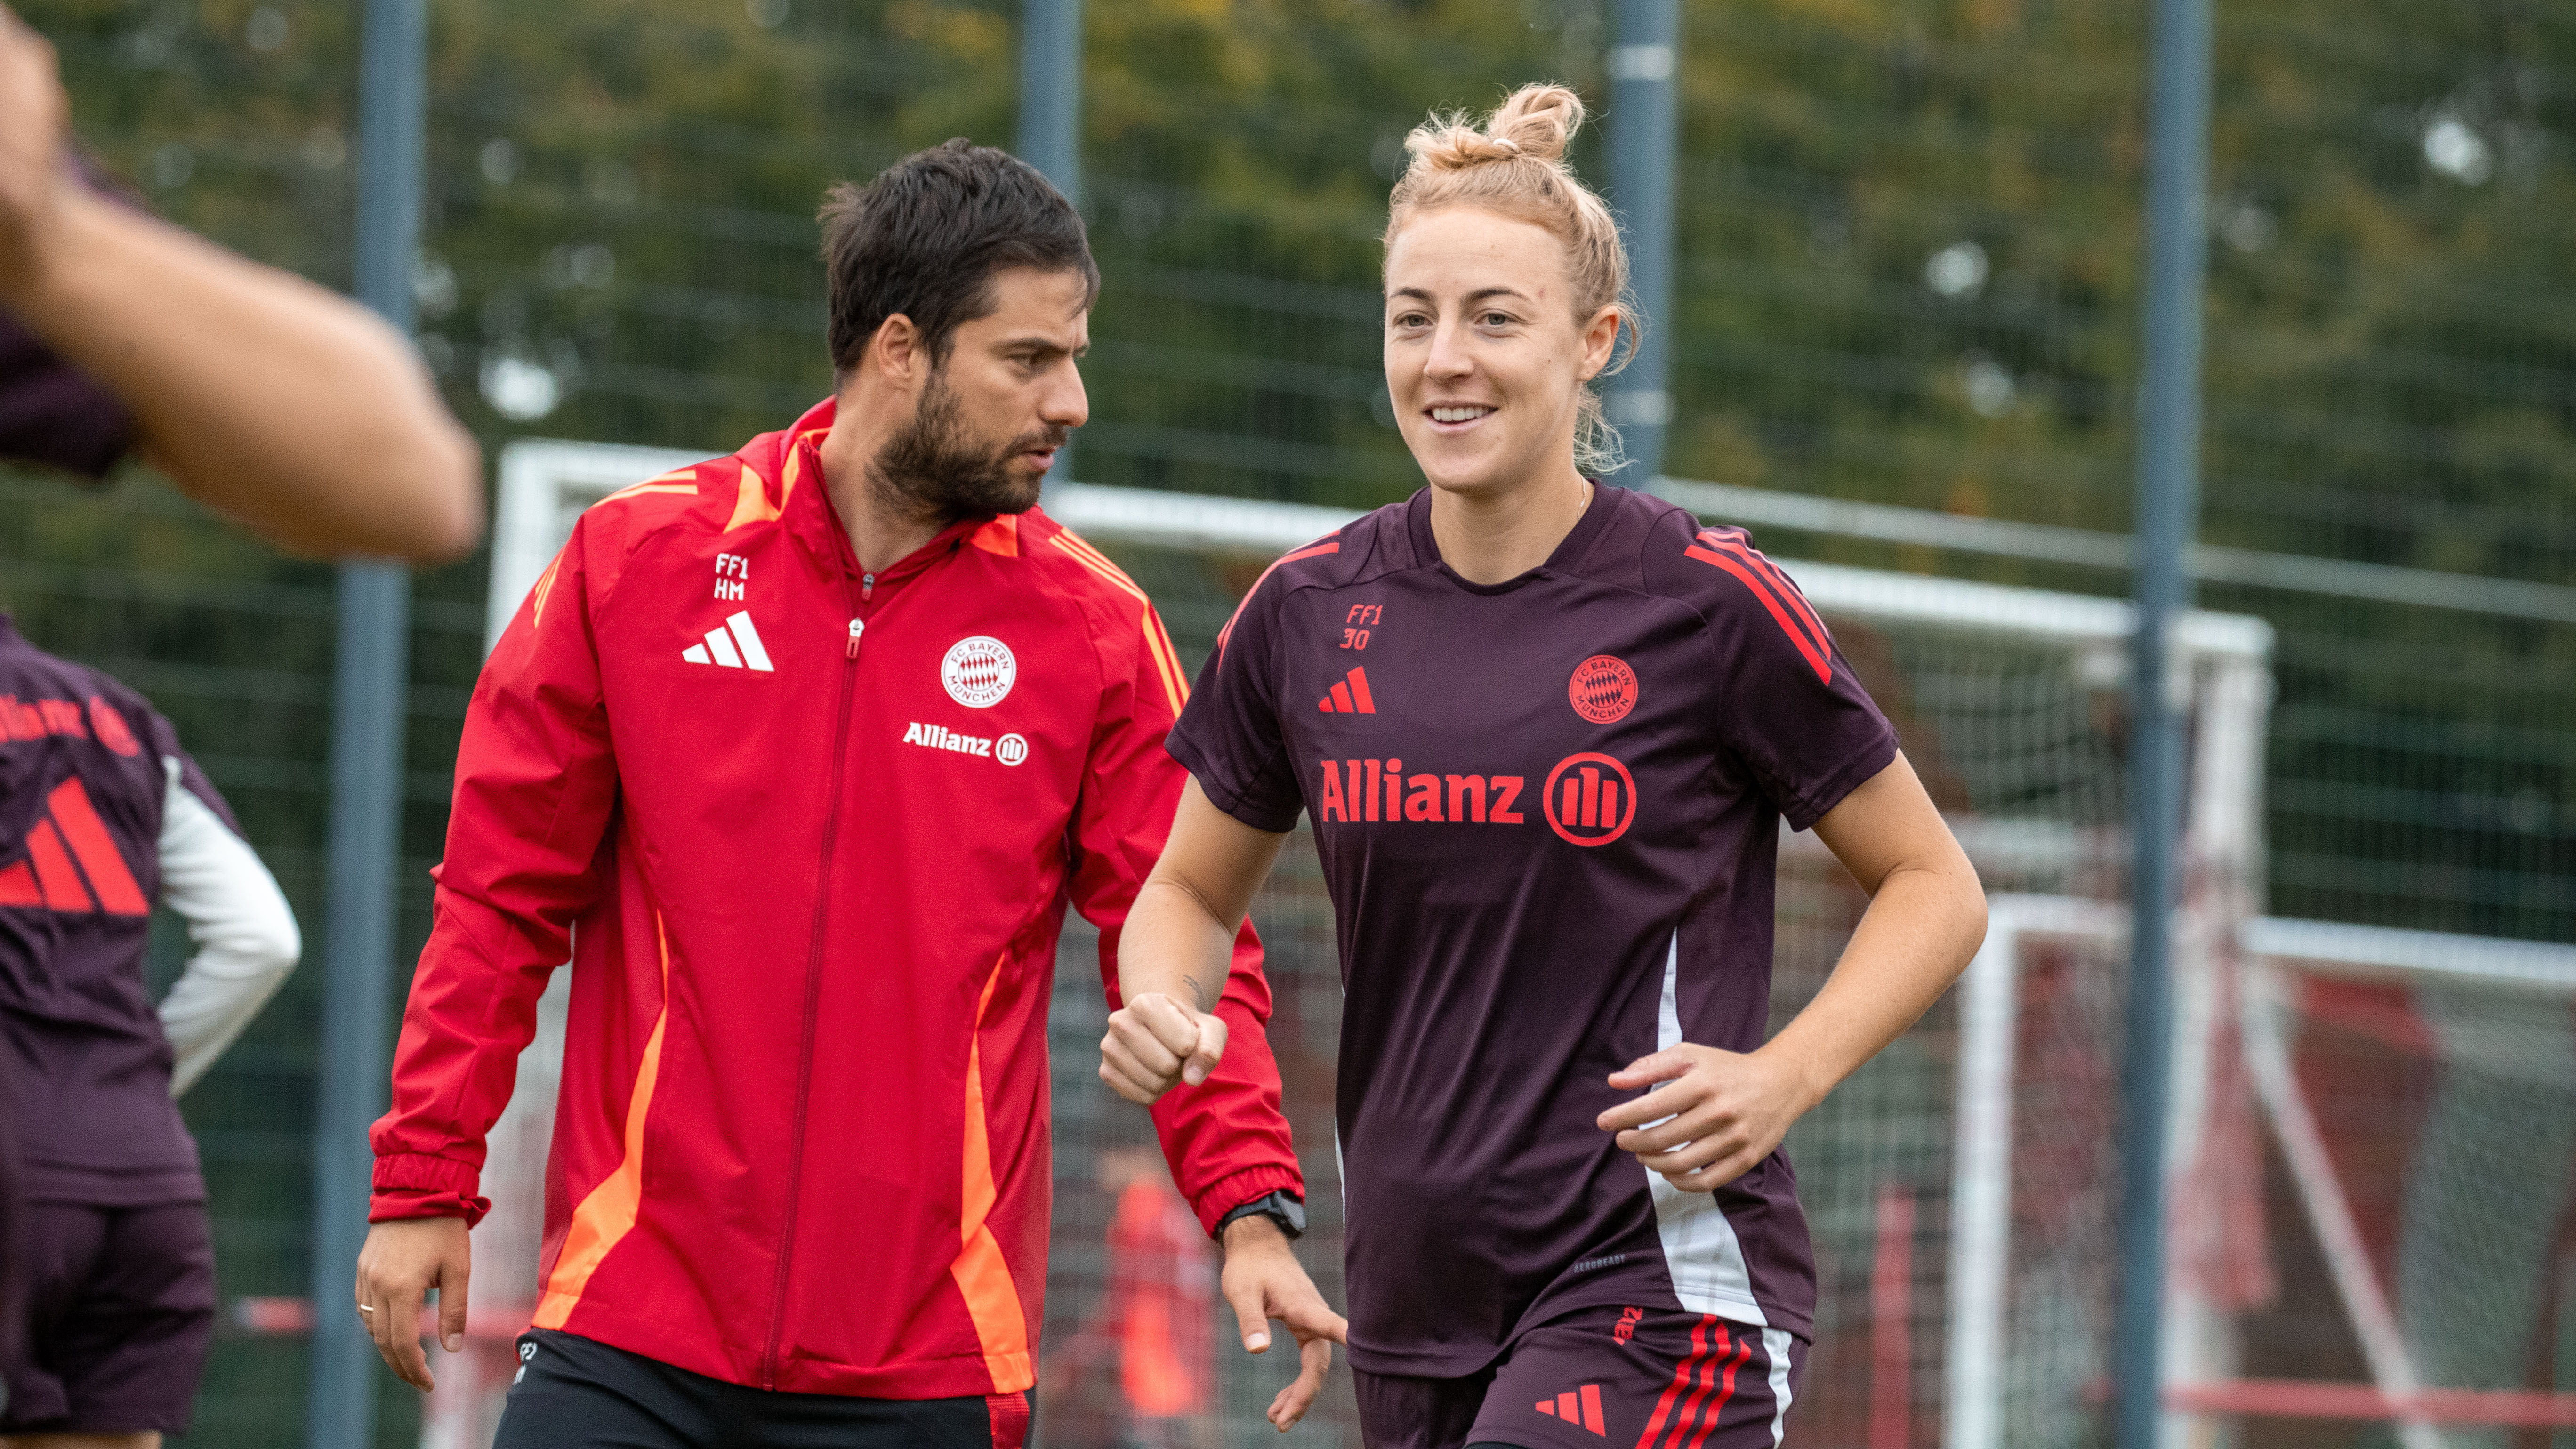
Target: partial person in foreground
pixel 1547 731
pixel 800 755
pixel 101 814
pixel 289 409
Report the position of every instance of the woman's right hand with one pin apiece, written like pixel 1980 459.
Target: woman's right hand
pixel 1156 1042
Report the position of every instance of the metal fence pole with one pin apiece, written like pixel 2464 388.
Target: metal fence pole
pixel 368 695
pixel 1644 124
pixel 2168 507
pixel 1051 114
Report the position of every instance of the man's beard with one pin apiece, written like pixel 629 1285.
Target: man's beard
pixel 935 468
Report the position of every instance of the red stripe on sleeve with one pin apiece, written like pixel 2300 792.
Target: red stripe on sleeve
pixel 1816 659
pixel 1780 584
pixel 1331 545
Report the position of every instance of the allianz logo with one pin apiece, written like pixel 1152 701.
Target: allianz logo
pixel 1009 749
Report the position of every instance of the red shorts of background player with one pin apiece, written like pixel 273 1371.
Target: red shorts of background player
pixel 1648 1378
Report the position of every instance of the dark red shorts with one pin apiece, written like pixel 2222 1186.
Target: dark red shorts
pixel 1624 1376
pixel 119 1312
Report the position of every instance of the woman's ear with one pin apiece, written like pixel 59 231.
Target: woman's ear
pixel 1600 337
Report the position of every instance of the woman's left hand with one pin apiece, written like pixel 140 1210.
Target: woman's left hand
pixel 1716 1114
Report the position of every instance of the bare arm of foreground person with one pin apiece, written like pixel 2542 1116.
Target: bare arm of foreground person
pixel 1173 962
pixel 1926 917
pixel 1223 1133
pixel 263 396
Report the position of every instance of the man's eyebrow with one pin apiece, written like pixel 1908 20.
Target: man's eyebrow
pixel 1030 344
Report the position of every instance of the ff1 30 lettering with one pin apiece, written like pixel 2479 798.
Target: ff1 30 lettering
pixel 1357 623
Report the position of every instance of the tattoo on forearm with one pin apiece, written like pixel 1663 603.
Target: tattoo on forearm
pixel 1198 995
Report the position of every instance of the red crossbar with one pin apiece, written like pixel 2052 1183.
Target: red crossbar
pixel 2298 1399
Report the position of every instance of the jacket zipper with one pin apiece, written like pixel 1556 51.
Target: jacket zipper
pixel 813 995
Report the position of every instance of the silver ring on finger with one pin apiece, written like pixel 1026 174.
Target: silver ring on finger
pixel 363 1308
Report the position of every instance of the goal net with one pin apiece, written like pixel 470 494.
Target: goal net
pixel 1962 1187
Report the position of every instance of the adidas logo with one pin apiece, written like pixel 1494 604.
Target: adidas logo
pixel 1350 696
pixel 721 646
pixel 48 877
pixel 1581 1406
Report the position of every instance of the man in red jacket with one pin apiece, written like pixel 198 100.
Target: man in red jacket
pixel 799 755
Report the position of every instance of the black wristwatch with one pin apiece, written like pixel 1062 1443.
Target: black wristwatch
pixel 1282 1207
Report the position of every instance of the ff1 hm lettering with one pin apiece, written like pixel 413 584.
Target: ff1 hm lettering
pixel 1357 791
pixel 732 570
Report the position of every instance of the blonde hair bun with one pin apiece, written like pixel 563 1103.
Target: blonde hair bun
pixel 1536 123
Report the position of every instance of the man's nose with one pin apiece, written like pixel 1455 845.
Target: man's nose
pixel 1065 403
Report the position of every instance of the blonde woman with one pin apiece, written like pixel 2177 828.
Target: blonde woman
pixel 1547 731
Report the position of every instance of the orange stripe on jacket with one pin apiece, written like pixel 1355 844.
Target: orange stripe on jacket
pixel 545 582
pixel 1098 562
pixel 1167 662
pixel 608 1213
pixel 678 480
pixel 751 499
pixel 983 1277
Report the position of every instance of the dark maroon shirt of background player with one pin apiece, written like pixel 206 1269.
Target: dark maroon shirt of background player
pixel 82 793
pixel 1535 802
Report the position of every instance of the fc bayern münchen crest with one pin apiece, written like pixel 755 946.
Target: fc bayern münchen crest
pixel 978 671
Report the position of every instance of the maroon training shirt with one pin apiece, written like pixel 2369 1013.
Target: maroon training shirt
pixel 86 775
pixel 1548 812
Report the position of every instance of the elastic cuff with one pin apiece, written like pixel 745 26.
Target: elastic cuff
pixel 417 1185
pixel 1234 1190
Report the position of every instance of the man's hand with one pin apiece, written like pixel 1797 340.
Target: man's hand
pixel 401 1262
pixel 1263 1280
pixel 1726 1111
pixel 1156 1041
pixel 34 119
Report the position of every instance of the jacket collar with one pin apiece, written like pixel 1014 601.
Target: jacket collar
pixel 782 479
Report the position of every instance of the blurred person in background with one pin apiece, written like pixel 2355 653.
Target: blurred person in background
pixel 286 407
pixel 1154 1328
pixel 101 814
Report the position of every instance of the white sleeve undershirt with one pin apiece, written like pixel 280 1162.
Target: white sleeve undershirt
pixel 239 920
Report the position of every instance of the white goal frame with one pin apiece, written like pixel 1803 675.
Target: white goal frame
pixel 2199 1350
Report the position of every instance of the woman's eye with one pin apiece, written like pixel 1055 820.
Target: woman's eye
pixel 1497 319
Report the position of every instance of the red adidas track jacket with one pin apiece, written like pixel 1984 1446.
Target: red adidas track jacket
pixel 808 837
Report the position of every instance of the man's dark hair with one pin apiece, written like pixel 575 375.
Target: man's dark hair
pixel 926 236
